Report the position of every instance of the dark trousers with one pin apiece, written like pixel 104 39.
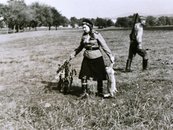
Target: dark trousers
pixel 133 49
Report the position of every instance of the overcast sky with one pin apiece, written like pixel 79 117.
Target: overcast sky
pixel 107 8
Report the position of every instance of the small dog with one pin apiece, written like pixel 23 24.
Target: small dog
pixel 111 85
pixel 65 74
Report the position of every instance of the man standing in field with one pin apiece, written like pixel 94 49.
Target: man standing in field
pixel 136 43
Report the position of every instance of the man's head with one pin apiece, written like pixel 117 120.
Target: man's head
pixel 87 25
pixel 142 20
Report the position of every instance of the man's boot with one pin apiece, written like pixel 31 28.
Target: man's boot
pixel 128 65
pixel 145 64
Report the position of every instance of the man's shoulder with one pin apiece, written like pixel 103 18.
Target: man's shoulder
pixel 138 26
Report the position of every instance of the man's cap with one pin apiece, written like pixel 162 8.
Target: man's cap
pixel 87 22
pixel 142 18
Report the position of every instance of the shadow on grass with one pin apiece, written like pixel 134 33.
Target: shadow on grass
pixel 119 70
pixel 54 86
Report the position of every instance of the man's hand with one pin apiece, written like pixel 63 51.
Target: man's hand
pixel 139 45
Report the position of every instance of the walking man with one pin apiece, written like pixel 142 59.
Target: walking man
pixel 136 43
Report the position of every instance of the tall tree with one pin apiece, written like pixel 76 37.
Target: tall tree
pixel 74 21
pixel 16 14
pixel 43 15
pixel 122 22
pixel 56 17
pixel 151 21
pixel 2 15
pixel 100 22
pixel 47 16
pixel 37 15
pixel 109 23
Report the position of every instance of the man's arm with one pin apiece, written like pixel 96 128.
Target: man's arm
pixel 139 33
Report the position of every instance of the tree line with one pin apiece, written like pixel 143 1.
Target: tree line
pixel 150 21
pixel 99 22
pixel 18 16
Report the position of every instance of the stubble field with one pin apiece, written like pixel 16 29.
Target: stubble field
pixel 28 64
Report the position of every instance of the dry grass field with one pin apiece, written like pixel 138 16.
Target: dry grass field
pixel 28 64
